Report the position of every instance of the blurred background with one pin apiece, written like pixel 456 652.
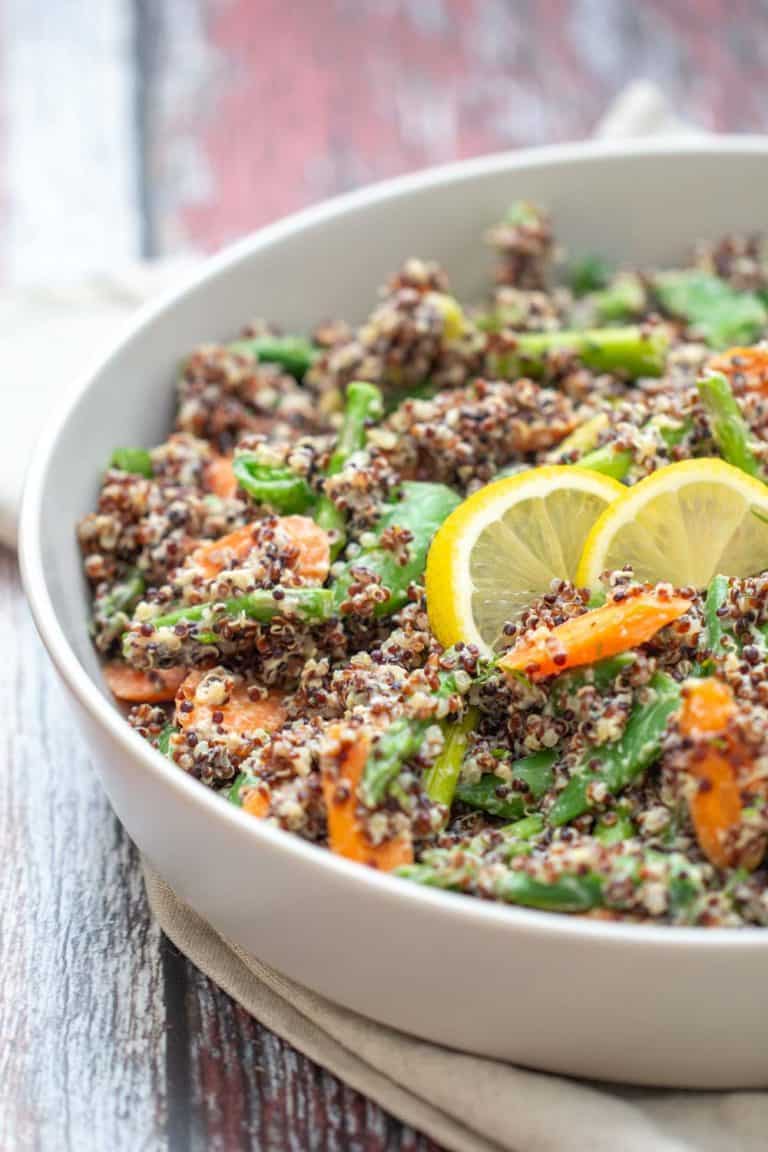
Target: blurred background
pixel 146 128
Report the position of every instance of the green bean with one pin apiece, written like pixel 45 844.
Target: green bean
pixel 135 460
pixel 722 315
pixel 730 431
pixel 293 353
pixel 634 351
pixel 626 759
pixel 280 488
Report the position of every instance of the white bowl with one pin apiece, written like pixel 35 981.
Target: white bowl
pixel 649 1005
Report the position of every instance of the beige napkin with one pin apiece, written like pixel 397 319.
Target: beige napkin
pixel 466 1103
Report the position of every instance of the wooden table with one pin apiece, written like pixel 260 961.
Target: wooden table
pixel 136 128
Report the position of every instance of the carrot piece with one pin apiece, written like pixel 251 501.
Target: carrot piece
pixel 311 542
pixel 219 477
pixel 715 805
pixel 606 631
pixel 346 835
pixel 708 705
pixel 746 366
pixel 215 555
pixel 314 557
pixel 239 714
pixel 256 804
pixel 138 687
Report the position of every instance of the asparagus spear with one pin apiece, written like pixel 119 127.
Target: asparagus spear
pixel 632 350
pixel 616 462
pixel 201 622
pixel 442 778
pixel 293 353
pixel 608 460
pixel 626 759
pixel 729 429
pixel 717 594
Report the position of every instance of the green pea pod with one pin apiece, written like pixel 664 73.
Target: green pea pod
pixel 135 460
pixel 164 739
pixel 282 489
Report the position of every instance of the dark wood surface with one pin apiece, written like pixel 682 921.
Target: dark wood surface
pixel 133 128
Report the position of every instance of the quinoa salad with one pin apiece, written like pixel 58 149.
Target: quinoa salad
pixel 475 593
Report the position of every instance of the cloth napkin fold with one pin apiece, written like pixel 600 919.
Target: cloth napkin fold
pixel 466 1103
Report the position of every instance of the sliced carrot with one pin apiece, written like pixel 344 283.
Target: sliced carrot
pixel 745 366
pixel 256 803
pixel 708 706
pixel 156 686
pixel 219 477
pixel 615 627
pixel 715 805
pixel 216 555
pixel 312 560
pixel 346 834
pixel 238 714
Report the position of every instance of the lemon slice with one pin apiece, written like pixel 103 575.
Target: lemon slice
pixel 685 523
pixel 505 545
